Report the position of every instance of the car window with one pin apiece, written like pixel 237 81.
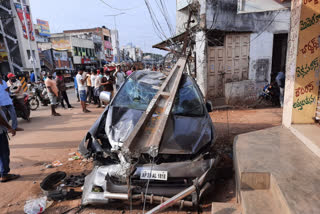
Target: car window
pixel 188 100
pixel 137 95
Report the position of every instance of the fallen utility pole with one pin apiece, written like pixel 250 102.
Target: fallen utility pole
pixel 179 196
pixel 147 134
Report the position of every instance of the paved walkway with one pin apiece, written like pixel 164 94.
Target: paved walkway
pixel 276 173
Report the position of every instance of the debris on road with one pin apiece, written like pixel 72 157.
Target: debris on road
pixel 56 163
pixel 74 181
pixel 49 166
pixel 36 206
pixel 50 182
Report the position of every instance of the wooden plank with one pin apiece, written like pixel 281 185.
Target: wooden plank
pixel 147 134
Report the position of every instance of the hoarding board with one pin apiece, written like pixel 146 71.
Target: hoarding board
pixel 61 44
pixel 3 53
pixel 255 6
pixel 25 18
pixel 61 59
pixel 44 28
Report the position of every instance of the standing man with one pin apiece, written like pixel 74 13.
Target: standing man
pixel 7 105
pixel 76 87
pixel 81 81
pixel 280 79
pixel 4 150
pixel 53 94
pixel 107 83
pixel 32 77
pixel 97 87
pixel 119 76
pixel 62 89
pixel 89 86
pixel 94 75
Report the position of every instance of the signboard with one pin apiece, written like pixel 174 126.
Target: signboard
pixel 255 6
pixel 88 60
pixel 61 59
pixel 44 28
pixel 25 18
pixel 107 45
pixel 306 50
pixel 3 53
pixel 61 44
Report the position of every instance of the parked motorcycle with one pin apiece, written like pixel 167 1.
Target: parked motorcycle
pixel 38 94
pixel 21 106
pixel 269 94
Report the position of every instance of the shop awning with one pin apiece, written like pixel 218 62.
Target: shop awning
pixel 167 43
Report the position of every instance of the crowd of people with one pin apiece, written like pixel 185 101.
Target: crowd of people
pixel 88 84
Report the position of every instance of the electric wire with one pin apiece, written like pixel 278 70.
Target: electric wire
pixel 147 188
pixel 105 3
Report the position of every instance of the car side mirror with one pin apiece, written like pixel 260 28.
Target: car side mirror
pixel 209 106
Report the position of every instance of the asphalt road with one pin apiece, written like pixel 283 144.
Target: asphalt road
pixel 44 140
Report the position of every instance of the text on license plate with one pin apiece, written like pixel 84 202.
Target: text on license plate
pixel 154 175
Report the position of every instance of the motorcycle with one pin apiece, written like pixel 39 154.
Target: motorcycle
pixel 22 108
pixel 269 94
pixel 38 94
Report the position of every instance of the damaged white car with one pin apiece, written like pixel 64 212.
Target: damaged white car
pixel 183 160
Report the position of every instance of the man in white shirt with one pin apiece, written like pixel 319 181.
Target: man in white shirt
pixel 119 76
pixel 15 86
pixel 97 86
pixel 81 81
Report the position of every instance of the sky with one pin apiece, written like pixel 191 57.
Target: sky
pixel 135 25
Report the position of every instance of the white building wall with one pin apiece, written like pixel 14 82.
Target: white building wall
pixel 182 15
pixel 261 50
pixel 24 43
pixel 261 47
pixel 115 45
pixel 82 43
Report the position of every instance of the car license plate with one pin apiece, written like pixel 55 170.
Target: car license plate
pixel 154 175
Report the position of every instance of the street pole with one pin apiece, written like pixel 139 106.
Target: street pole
pixel 115 23
pixel 31 53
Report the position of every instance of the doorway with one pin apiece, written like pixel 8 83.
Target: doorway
pixel 279 56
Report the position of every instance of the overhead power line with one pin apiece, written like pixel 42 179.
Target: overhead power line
pixel 120 9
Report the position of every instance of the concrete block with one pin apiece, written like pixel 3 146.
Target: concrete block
pixel 225 208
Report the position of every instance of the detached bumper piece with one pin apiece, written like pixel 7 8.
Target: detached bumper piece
pixel 107 183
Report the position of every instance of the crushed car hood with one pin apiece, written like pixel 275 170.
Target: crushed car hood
pixel 176 140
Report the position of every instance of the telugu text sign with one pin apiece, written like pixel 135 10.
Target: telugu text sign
pixel 307 67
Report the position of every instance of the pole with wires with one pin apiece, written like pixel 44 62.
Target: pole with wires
pixel 147 188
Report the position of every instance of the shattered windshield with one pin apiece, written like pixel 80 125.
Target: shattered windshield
pixel 137 94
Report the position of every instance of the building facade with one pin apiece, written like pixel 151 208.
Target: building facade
pixel 82 50
pixel 115 45
pixel 18 38
pixel 131 53
pixel 236 54
pixel 104 33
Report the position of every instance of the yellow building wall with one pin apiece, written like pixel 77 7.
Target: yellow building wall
pixel 308 64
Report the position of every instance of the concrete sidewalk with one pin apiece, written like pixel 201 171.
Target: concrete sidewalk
pixel 276 173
